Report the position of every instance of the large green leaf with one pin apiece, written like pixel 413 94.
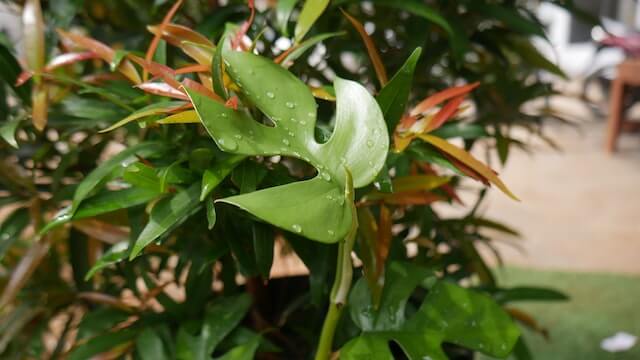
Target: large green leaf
pixel 316 207
pixel 394 96
pixel 449 313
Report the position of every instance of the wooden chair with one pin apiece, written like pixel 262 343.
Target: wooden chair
pixel 628 76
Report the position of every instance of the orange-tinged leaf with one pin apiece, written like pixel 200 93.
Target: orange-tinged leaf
pixel 419 182
pixel 39 106
pixel 201 89
pixel 103 231
pixel 104 299
pixel 528 321
pixel 468 160
pixel 190 42
pixel 441 97
pixel 184 117
pixel 167 74
pixel 368 231
pixel 162 89
pixel 413 198
pixel 193 68
pixel 23 77
pixel 33 36
pixel 447 111
pixel 374 55
pixel 156 39
pixel 69 58
pixel 322 93
pixel 236 42
pixel 401 141
pixel 384 237
pixel 102 51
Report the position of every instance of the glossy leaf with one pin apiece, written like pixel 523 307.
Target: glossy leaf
pixel 394 96
pixel 114 255
pixel 166 215
pixel 468 160
pixel 96 176
pixel 448 314
pixel 156 108
pixel 311 11
pixel 102 203
pixel 197 46
pixel 359 142
pixel 214 176
pixel 8 132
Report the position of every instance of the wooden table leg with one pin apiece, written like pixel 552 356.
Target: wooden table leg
pixel 615 114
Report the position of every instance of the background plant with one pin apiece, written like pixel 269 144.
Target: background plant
pixel 79 269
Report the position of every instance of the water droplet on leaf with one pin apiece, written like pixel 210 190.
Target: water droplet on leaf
pixel 270 95
pixel 290 105
pixel 296 228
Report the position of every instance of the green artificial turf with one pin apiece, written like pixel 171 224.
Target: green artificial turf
pixel 600 306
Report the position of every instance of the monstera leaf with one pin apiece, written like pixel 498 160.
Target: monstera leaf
pixel 449 314
pixel 314 208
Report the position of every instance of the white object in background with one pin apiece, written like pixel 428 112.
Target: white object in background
pixel 621 341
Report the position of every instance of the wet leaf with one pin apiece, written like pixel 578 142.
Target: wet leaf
pixel 359 142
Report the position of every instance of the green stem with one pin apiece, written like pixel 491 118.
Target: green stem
pixel 342 281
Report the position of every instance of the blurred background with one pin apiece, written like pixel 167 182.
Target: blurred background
pixel 580 189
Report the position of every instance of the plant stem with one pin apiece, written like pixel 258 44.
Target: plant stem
pixel 342 281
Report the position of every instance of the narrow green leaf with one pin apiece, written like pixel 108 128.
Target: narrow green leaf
pixel 101 343
pixel 166 215
pixel 211 213
pixel 394 96
pixel 11 229
pixel 123 158
pixel 8 132
pixel 306 45
pixel 214 176
pixel 114 255
pixel 311 11
pixel 284 8
pixel 245 351
pixel 263 241
pixel 149 110
pixel 149 345
pixel 10 71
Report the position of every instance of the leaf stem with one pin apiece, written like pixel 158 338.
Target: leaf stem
pixel 342 281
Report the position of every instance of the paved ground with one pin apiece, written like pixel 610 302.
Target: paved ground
pixel 580 208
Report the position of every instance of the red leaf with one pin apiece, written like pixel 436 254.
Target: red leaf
pixel 156 39
pixel 444 114
pixel 236 42
pixel 441 97
pixel 232 103
pixel 162 89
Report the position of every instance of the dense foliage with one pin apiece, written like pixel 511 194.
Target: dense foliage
pixel 149 172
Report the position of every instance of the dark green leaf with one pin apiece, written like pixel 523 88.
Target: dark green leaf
pixel 149 346
pixel 11 229
pixel 114 255
pixel 394 96
pixel 166 215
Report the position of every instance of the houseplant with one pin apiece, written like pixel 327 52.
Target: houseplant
pixel 215 154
